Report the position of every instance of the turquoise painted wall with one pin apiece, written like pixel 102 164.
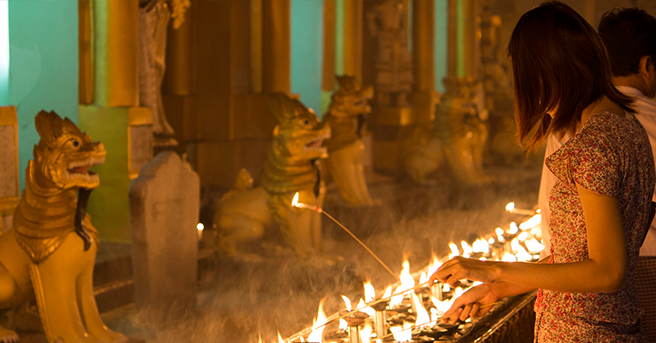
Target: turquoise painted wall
pixel 4 53
pixel 307 51
pixel 43 73
pixel 440 43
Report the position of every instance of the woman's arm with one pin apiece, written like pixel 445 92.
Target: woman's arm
pixel 603 271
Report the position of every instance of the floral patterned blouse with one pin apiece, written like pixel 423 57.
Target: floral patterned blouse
pixel 610 155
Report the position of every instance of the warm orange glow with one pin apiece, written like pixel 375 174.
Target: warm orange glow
pixel 295 200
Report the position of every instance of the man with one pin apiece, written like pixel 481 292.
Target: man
pixel 630 38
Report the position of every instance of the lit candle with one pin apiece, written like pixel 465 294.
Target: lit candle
pixel 199 228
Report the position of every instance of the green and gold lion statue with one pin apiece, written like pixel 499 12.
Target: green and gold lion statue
pixel 49 252
pixel 244 213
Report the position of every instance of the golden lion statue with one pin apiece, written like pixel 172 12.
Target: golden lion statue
pixel 460 134
pixel 346 115
pixel 50 250
pixel 244 213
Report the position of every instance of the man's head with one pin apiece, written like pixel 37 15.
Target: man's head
pixel 630 38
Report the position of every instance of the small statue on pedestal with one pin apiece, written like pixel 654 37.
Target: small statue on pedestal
pixel 50 250
pixel 244 213
pixel 387 21
pixel 346 118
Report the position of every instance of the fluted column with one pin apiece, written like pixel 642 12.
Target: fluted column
pixel 276 46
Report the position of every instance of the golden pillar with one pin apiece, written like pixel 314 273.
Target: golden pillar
pixel 85 52
pixel 472 38
pixel 116 26
pixel 452 39
pixel 177 79
pixel 177 89
pixel 109 111
pixel 276 52
pixel 328 63
pixel 423 35
pixel 353 38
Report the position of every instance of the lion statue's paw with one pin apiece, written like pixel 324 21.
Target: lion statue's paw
pixel 8 336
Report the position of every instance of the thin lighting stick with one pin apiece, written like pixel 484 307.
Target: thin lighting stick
pixel 363 245
pixel 295 203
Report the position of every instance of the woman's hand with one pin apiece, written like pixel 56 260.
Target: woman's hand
pixel 475 302
pixel 459 268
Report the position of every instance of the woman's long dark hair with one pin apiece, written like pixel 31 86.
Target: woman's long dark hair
pixel 560 64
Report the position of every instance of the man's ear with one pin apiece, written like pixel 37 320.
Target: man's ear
pixel 646 65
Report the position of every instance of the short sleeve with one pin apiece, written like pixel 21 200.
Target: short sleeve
pixel 590 161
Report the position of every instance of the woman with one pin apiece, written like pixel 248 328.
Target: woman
pixel 600 202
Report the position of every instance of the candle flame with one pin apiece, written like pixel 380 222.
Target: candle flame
pixel 531 222
pixel 365 332
pixel 347 301
pixel 369 291
pixel 362 306
pixel 466 249
pixel 422 315
pixel 510 206
pixel 454 250
pixel 295 200
pixel 499 232
pixel 317 328
pixel 434 265
pixel 481 245
pixel 280 340
pixel 402 334
pixel 388 292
